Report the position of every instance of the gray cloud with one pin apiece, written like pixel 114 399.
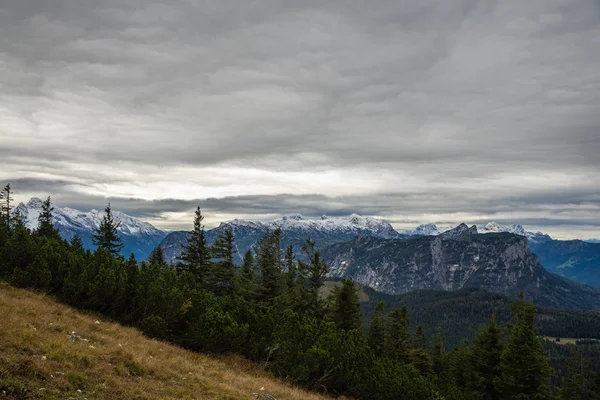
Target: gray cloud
pixel 411 110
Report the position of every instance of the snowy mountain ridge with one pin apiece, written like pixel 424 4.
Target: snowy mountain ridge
pixel 72 219
pixel 353 224
pixel 138 237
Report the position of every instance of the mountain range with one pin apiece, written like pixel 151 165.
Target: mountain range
pixel 498 262
pixel 138 237
pixel 575 260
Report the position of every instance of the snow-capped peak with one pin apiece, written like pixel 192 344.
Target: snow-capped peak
pixel 492 227
pixel 35 202
pixel 69 219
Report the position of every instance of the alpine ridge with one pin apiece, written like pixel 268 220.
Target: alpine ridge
pixel 498 262
pixel 138 237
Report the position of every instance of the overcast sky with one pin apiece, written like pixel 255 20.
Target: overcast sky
pixel 414 111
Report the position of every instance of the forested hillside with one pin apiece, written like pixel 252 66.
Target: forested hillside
pixel 270 311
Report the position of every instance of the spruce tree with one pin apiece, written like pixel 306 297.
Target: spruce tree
pixel 107 235
pixel 419 356
pixel 397 338
pixel 438 350
pixel 524 368
pixel 291 276
pixel 248 266
pixel 346 306
pixel 157 256
pixel 6 203
pixel 486 353
pixel 269 264
pixel 578 385
pixel 195 255
pixel 316 271
pixel 45 225
pixel 376 337
pixel 223 271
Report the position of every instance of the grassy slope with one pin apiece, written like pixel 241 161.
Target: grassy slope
pixel 40 358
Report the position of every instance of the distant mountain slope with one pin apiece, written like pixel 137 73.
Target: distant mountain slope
pixel 294 228
pixel 460 312
pixel 138 237
pixel 51 351
pixel 490 227
pixel 498 262
pixel 573 259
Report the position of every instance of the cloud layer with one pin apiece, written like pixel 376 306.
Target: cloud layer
pixel 414 111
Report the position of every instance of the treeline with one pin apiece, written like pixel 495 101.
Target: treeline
pixel 270 310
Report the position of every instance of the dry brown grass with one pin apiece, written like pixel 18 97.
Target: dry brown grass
pixel 40 358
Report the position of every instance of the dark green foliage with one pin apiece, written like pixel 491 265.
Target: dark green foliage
pixel 196 256
pixel 6 204
pixel 578 384
pixel 268 258
pixel 107 234
pixel 376 338
pixel 524 369
pixel 157 256
pixel 346 306
pixel 45 226
pixel 314 273
pixel 397 336
pixel 486 353
pixel 221 280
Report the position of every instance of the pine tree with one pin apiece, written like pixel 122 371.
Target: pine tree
pixel 157 256
pixel 419 356
pixel 376 337
pixel 195 254
pixel 346 306
pixel 291 276
pixel 578 385
pixel 248 266
pixel 6 203
pixel 107 234
pixel 438 350
pixel 269 264
pixel 223 271
pixel 486 352
pixel 397 337
pixel 316 271
pixel 524 367
pixel 45 225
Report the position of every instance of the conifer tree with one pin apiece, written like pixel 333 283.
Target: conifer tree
pixel 291 275
pixel 316 271
pixel 578 386
pixel 223 271
pixel 195 254
pixel 157 256
pixel 248 266
pixel 397 338
pixel 486 352
pixel 376 337
pixel 45 225
pixel 346 306
pixel 438 350
pixel 524 367
pixel 6 203
pixel 106 235
pixel 419 355
pixel 269 264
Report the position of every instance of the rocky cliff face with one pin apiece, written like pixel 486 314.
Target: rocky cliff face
pixel 499 262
